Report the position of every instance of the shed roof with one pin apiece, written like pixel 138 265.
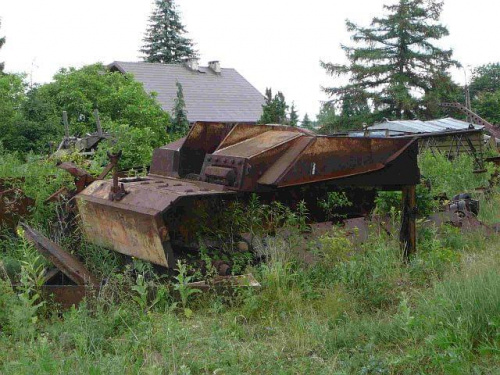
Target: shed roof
pixel 209 96
pixel 417 126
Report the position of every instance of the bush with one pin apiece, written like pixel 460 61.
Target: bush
pixel 30 121
pixel 452 177
pixel 443 176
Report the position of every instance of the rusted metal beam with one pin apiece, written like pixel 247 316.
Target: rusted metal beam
pixel 67 263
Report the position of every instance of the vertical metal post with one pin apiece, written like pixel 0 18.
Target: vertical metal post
pixel 117 190
pixel 467 103
pixel 408 234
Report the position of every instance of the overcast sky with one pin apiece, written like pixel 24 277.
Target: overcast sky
pixel 272 43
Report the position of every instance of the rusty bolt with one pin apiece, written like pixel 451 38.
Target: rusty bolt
pixel 163 232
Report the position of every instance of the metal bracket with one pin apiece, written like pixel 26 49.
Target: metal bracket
pixel 117 190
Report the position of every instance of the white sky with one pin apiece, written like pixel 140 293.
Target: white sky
pixel 272 43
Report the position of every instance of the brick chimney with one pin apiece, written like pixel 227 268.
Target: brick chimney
pixel 215 66
pixel 193 63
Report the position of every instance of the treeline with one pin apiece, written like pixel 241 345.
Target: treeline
pixel 395 70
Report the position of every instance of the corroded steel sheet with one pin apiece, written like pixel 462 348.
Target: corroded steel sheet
pixel 258 144
pixel 67 263
pixel 14 205
pixel 134 226
pixel 280 162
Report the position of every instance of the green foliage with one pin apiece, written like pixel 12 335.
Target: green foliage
pixel 485 91
pixel 2 42
pixel 275 109
pixel 142 294
pixel 361 312
pixel 136 144
pixel 126 110
pixel 333 202
pixel 444 176
pixel 164 40
pixel 386 201
pixel 327 117
pixel 485 79
pixel 487 106
pixel 394 64
pixel 185 291
pixel 20 317
pixel 452 176
pixel 307 123
pixel 180 123
pixel 118 97
pixel 17 132
pixel 38 178
pixel 466 310
pixel 334 247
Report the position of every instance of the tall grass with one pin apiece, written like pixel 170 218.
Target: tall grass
pixel 357 310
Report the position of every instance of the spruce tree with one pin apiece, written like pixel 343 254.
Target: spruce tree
pixel 274 110
pixel 394 64
pixel 306 122
pixel 294 116
pixel 164 39
pixel 327 117
pixel 180 123
pixel 2 42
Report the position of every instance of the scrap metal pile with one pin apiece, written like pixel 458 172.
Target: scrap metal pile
pixel 143 217
pixel 154 218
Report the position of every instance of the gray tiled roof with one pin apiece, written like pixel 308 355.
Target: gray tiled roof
pixel 223 97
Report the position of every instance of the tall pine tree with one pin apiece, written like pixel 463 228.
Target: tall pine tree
pixel 394 64
pixel 164 39
pixel 2 42
pixel 274 110
pixel 307 123
pixel 180 123
pixel 294 116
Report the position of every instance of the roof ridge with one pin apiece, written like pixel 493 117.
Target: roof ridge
pixel 161 64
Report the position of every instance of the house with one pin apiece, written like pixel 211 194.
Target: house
pixel 211 93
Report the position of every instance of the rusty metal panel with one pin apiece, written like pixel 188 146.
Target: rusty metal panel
pixel 14 205
pixel 68 295
pixel 330 158
pixel 203 138
pixel 286 162
pixel 126 231
pixel 63 260
pixel 134 225
pixel 166 159
pixel 243 132
pixel 261 143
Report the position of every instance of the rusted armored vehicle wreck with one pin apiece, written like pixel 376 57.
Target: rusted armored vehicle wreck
pixel 144 217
